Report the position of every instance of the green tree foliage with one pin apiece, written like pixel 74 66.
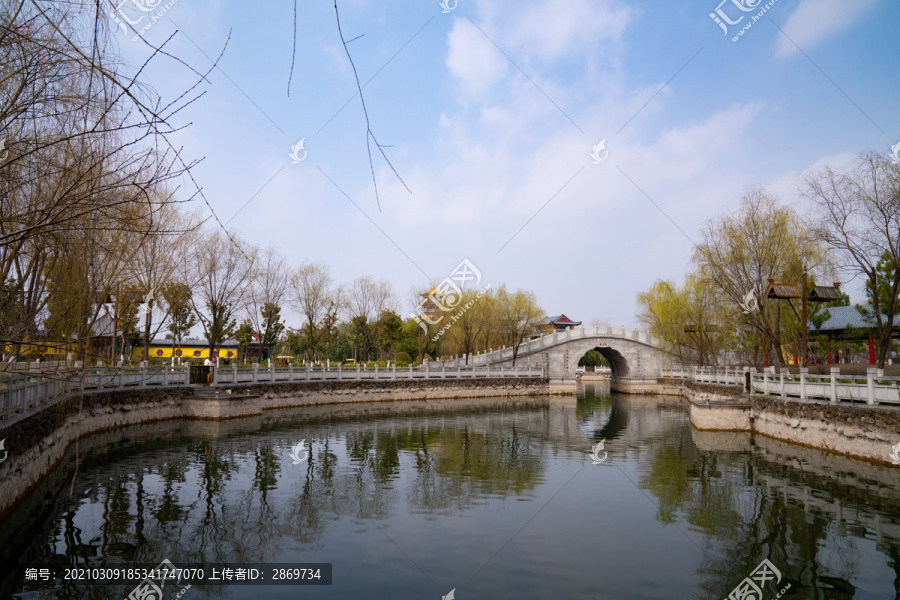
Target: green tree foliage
pixel 594 359
pixel 271 324
pixel 390 330
pixel 741 252
pixel 244 337
pixel 181 317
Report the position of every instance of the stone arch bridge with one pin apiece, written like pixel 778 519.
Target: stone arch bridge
pixel 635 357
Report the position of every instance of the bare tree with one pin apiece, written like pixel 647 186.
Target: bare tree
pixel 222 270
pixel 762 241
pixel 268 292
pixel 313 295
pixel 153 264
pixel 859 216
pixel 86 159
pixel 366 300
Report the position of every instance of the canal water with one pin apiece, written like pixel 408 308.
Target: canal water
pixel 488 498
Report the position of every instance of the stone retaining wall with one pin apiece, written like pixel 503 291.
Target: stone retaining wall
pixel 862 432
pixel 38 444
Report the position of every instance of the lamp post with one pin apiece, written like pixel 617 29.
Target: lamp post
pixel 803 340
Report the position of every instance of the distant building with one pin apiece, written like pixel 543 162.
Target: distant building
pixel 862 326
pixel 843 317
pixel 189 349
pixel 552 324
pixel 427 307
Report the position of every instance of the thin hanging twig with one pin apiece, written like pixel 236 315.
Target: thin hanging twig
pixel 293 51
pixel 370 136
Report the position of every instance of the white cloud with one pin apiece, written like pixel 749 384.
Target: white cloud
pixel 473 60
pixel 815 20
pixel 548 30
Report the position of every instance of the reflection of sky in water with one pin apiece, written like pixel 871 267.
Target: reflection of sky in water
pixel 493 498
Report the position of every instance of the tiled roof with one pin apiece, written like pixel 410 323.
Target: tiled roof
pixel 842 316
pixel 193 343
pixel 783 290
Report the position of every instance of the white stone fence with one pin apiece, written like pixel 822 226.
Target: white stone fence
pixel 273 374
pixel 721 376
pixel 23 392
pixel 871 388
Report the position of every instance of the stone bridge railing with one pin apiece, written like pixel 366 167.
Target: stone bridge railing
pixel 554 339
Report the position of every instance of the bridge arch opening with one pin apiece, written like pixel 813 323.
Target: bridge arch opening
pixel 617 363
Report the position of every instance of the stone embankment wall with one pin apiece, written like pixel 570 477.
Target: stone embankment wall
pixel 38 444
pixel 866 432
pixel 860 431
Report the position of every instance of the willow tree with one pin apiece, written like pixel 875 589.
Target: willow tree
pixel 693 321
pixel 518 314
pixel 761 241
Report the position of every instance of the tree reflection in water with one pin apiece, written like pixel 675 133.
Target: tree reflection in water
pixel 229 492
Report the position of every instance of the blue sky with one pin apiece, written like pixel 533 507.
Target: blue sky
pixel 491 111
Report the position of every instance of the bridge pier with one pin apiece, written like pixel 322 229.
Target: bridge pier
pixel 563 386
pixel 633 385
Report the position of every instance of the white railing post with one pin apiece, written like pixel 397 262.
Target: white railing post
pixel 143 382
pixel 835 373
pixel 339 372
pixel 765 382
pixel 234 373
pixel 443 370
pixel 410 371
pixel 870 384
pixel 394 371
pixel 255 371
pixel 291 372
pixel 803 373
pixel 308 369
pixel 376 371
pixel 271 372
pixel 783 371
